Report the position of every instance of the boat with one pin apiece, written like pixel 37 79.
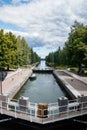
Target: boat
pixel 33 76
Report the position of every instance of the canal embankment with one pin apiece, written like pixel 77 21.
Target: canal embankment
pixel 14 81
pixel 70 110
pixel 72 83
pixel 69 81
pixel 61 78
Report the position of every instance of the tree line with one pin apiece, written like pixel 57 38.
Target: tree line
pixel 15 52
pixel 74 52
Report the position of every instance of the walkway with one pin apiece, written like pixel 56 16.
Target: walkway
pixel 14 81
pixel 79 83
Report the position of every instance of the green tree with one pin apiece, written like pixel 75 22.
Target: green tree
pixel 14 51
pixel 77 45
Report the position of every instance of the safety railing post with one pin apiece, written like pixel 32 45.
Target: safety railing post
pixel 53 115
pixel 35 109
pixel 67 112
pixel 15 112
pixel 30 114
pixel 82 108
pixel 7 104
pixel 1 107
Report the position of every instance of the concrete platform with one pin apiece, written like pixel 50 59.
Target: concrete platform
pixel 77 85
pixel 14 81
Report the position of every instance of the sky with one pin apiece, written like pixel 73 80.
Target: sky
pixel 45 24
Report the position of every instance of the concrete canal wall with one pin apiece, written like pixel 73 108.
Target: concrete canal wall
pixel 60 76
pixel 15 81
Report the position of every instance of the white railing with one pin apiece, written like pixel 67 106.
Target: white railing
pixel 47 112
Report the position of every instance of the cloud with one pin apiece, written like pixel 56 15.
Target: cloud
pixel 46 22
pixel 17 33
pixel 19 2
pixel 15 1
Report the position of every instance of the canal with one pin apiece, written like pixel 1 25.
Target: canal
pixel 43 89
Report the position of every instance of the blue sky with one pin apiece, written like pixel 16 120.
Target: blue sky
pixel 44 23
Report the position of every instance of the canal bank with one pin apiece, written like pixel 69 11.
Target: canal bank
pixel 52 118
pixel 14 81
pixel 72 83
pixel 61 76
pixel 76 85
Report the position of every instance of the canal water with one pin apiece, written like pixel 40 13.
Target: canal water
pixel 43 89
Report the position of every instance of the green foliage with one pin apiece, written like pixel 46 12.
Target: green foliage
pixel 73 69
pixel 14 51
pixel 74 52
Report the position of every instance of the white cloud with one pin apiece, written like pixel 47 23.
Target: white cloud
pixel 17 33
pixel 46 21
pixel 15 1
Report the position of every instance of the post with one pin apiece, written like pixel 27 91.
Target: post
pixel 23 104
pixel 15 112
pixel 4 100
pixel 82 101
pixel 42 110
pixel 63 104
pixel 1 78
pixel 0 87
pixel 35 109
pixel 3 74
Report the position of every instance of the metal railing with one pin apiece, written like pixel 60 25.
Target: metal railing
pixel 43 113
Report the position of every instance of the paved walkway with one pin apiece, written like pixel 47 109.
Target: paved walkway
pixel 81 78
pixel 79 83
pixel 14 81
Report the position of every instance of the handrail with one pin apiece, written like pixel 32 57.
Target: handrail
pixel 51 111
